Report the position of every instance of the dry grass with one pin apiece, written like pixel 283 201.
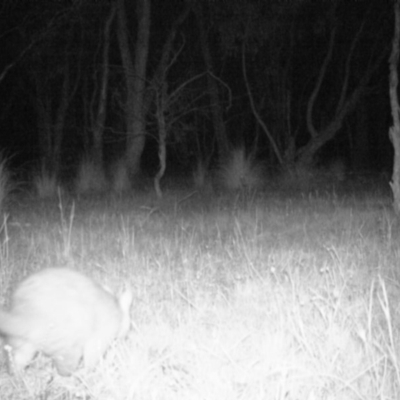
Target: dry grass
pixel 202 178
pixel 314 178
pixel 90 178
pixel 120 180
pixel 268 297
pixel 241 171
pixel 46 184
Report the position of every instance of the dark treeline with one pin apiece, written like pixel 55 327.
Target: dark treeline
pixel 293 82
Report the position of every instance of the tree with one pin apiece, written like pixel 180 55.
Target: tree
pixel 212 85
pixel 394 131
pixel 347 98
pixel 98 122
pixel 162 100
pixel 135 78
pixel 55 85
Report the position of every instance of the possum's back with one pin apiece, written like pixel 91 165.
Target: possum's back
pixel 62 295
pixel 65 315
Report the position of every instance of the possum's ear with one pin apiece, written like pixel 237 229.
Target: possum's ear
pixel 125 302
pixel 126 298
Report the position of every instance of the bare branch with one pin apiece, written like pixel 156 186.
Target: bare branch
pixel 347 67
pixel 255 112
pixel 318 83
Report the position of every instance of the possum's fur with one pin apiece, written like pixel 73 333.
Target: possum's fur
pixel 65 315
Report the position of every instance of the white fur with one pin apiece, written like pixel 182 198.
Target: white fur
pixel 65 315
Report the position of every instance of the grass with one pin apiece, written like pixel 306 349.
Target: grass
pixel 46 184
pixel 241 171
pixel 268 296
pixel 314 178
pixel 90 178
pixel 120 181
pixel 201 178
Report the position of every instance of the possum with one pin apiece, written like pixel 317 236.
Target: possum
pixel 66 316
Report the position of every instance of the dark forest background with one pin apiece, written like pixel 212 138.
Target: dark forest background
pixel 294 83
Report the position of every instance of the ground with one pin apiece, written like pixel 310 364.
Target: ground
pixel 238 295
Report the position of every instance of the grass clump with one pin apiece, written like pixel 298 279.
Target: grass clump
pixel 46 184
pixel 309 178
pixel 202 178
pixel 241 171
pixel 90 177
pixel 120 180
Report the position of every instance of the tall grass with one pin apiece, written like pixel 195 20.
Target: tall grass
pixel 202 178
pixel 46 184
pixel 120 180
pixel 308 178
pixel 90 177
pixel 272 298
pixel 241 171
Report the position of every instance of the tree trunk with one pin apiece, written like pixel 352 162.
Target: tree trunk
pixel 345 105
pixel 45 129
pixel 52 104
pixel 394 131
pixel 59 125
pixel 135 76
pixel 307 153
pixel 160 85
pixel 216 108
pixel 98 129
pixel 360 148
pixel 162 136
pixel 346 101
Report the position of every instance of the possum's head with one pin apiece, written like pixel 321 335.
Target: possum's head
pixel 125 303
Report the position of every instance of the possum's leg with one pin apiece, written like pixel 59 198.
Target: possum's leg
pixel 20 354
pixel 67 362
